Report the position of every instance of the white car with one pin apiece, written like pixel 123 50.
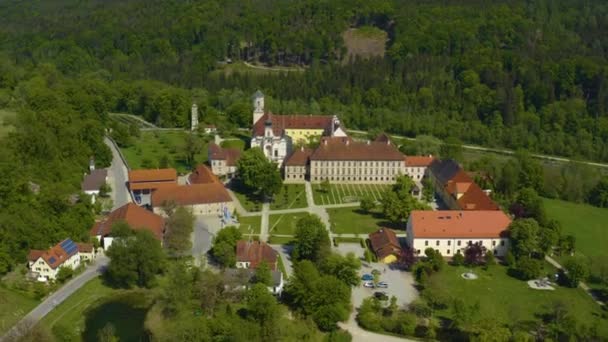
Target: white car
pixel 369 284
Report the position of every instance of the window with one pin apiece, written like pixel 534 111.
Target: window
pixel 417 251
pixel 426 243
pixel 449 242
pixel 437 243
pixel 493 243
pixel 470 242
pixel 447 252
pixel 502 242
pixel 458 243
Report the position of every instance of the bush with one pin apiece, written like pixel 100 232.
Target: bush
pixel 338 336
pixel 458 259
pixel 577 270
pixel 527 268
pixel 64 274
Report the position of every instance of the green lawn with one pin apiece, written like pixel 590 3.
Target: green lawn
pixel 280 240
pixel 291 196
pixel 585 222
pixel 234 143
pixel 353 221
pixel 13 306
pixel 151 146
pixel 510 300
pixel 94 305
pixel 284 224
pixel 6 118
pixel 347 193
pixel 250 224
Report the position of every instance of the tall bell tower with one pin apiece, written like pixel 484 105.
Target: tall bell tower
pixel 194 117
pixel 258 106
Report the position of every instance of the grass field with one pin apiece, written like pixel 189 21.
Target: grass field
pixel 585 222
pixel 291 196
pixel 13 306
pixel 284 224
pixel 352 221
pixel 510 300
pixel 6 117
pixel 346 193
pixel 250 224
pixel 148 150
pixel 234 143
pixel 280 240
pixel 94 305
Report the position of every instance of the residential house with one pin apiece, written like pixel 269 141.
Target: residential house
pixel 87 252
pixel 205 195
pixel 223 160
pixel 93 181
pixel 457 189
pixel 136 217
pixel 297 166
pixel 416 166
pixel 209 129
pixel 451 231
pixel 45 265
pixel 249 254
pixel 143 183
pixel 241 279
pixel 385 244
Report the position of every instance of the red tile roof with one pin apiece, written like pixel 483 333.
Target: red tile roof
pixel 459 224
pixel 299 157
pixel 85 247
pixel 346 149
pixel 203 175
pixel 384 243
pixel 56 255
pixel 255 252
pixel 230 155
pixel 151 179
pixel 419 161
pixel 34 254
pixel 283 122
pixel 191 194
pixel 135 216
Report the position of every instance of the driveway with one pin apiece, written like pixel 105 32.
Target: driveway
pixel 285 252
pixel 117 177
pixel 205 228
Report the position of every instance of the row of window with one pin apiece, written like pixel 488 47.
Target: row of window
pixel 356 163
pixel 457 251
pixel 371 179
pixel 300 176
pixel 459 242
pixel 324 171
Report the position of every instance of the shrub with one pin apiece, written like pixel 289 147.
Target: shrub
pixel 577 270
pixel 458 259
pixel 528 268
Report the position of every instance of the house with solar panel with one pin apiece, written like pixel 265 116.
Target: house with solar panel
pixel 44 265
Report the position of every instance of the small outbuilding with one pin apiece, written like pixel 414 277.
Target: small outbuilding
pixel 385 245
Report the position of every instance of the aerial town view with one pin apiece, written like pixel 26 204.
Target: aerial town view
pixel 307 170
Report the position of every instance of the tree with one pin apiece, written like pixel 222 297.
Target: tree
pixel 311 239
pixel 64 274
pixel 458 259
pixel 263 308
pixel 135 260
pixel 524 237
pixel 529 204
pixel 406 259
pixel 104 190
pixel 263 275
pixel 177 290
pixel 474 255
pixel 346 268
pixel 192 146
pixel 489 258
pixel 180 225
pixel 528 268
pixel 258 173
pixel 434 259
pixel 428 192
pixel 398 202
pixel 577 270
pixel 107 333
pixel 224 246
pixel 367 205
pixel 599 194
pixel 451 149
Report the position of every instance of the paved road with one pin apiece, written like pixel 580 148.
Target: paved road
pixel 264 223
pixel 583 286
pixel 202 237
pixel 361 335
pixel 285 252
pixel 501 151
pixel 61 294
pixel 118 177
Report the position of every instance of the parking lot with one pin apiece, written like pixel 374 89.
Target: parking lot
pixel 400 283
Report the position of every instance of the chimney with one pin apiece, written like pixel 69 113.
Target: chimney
pixel 325 142
pixel 302 148
pixel 91 164
pixel 347 142
pixel 368 142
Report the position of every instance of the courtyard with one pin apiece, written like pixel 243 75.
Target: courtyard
pixel 347 193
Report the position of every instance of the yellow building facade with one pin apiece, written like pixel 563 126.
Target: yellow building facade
pixel 303 136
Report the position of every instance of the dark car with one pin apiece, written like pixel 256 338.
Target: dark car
pixel 380 295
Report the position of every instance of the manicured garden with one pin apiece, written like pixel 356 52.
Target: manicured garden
pixel 291 196
pixel 94 306
pixel 250 224
pixel 510 300
pixel 354 221
pixel 347 193
pixel 14 305
pixel 154 149
pixel 284 224
pixel 585 222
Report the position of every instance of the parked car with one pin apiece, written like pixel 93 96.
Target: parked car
pixel 369 284
pixel 382 284
pixel 367 277
pixel 381 295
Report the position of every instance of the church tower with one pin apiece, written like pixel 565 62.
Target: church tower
pixel 258 106
pixel 194 117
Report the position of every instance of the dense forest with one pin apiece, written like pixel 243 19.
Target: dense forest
pixel 517 74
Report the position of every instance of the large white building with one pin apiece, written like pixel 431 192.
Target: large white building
pixel 450 231
pixel 277 134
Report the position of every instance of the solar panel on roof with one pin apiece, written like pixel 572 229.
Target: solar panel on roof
pixel 52 260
